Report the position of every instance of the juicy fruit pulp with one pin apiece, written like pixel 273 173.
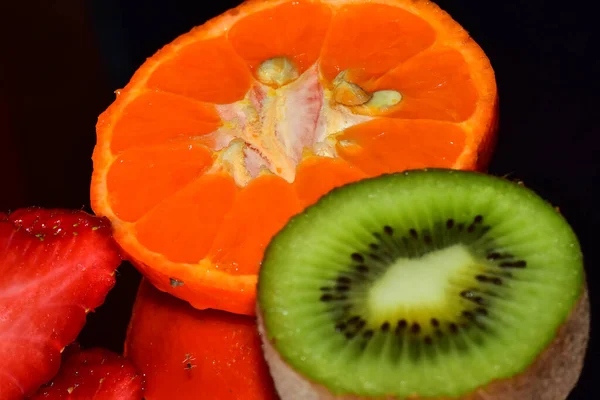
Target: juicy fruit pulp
pixel 93 374
pixel 434 283
pixel 186 353
pixel 55 267
pixel 243 122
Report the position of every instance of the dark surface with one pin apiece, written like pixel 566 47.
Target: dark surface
pixel 61 62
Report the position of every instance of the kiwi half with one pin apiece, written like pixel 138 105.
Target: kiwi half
pixel 429 284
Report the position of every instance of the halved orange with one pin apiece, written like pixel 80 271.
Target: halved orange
pixel 241 123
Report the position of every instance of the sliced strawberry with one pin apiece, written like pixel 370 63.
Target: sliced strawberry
pixel 94 374
pixel 55 267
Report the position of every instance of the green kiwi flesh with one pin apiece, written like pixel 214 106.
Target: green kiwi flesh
pixel 429 283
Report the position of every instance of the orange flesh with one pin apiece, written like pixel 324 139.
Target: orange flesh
pixel 208 70
pixel 435 85
pixel 257 41
pixel 416 144
pixel 373 38
pixel 162 169
pixel 195 213
pixel 318 175
pixel 155 117
pixel 260 210
pixel 183 191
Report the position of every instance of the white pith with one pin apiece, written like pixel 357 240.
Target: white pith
pixel 272 128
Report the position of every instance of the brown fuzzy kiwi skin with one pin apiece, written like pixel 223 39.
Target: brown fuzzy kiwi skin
pixel 552 376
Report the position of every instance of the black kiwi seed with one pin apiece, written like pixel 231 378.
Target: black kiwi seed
pixel 374 246
pixel 413 233
pixel 402 324
pixel 415 328
pixel 427 239
pixel 362 268
pixel 471 228
pixel 486 279
pixel 385 326
pixel 478 219
pixel 353 320
pixel 460 227
pixel 343 288
pixel 498 256
pixel 428 340
pixel 468 315
pixel 450 224
pixel 368 334
pixel 355 329
pixel 388 230
pixel 471 294
pixel 340 326
pixel 325 289
pixel 495 280
pixel 357 257
pixel 344 280
pixel 435 322
pixel 326 297
pixel 453 327
pixel 514 264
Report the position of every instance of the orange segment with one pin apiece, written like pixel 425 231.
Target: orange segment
pixel 256 38
pixel 435 84
pixel 140 178
pixel 373 38
pixel 206 70
pixel 260 210
pixel 417 92
pixel 155 117
pixel 190 219
pixel 388 145
pixel 319 175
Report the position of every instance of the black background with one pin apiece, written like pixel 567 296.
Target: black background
pixel 60 62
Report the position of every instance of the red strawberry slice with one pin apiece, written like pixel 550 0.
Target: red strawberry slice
pixel 55 267
pixel 94 374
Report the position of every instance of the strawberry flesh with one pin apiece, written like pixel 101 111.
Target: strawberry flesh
pixel 56 266
pixel 94 374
